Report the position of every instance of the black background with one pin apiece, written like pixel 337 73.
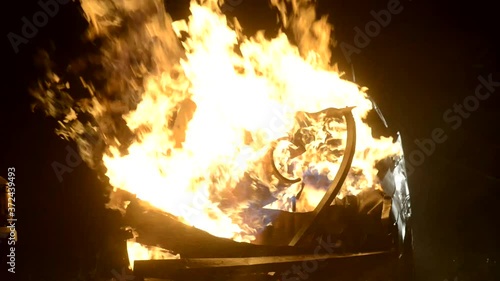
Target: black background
pixel 427 59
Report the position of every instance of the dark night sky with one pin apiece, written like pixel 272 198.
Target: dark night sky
pixel 426 60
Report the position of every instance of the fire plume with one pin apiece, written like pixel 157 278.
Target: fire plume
pixel 204 104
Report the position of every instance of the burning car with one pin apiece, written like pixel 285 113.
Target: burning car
pixel 231 155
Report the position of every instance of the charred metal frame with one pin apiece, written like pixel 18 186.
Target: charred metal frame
pixel 337 182
pixel 397 203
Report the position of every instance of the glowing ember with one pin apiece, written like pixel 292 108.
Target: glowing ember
pixel 205 105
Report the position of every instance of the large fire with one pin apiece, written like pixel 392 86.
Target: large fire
pixel 205 105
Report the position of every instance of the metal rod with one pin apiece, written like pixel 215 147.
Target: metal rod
pixel 337 182
pixel 191 267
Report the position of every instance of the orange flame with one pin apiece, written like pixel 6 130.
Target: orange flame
pixel 211 105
